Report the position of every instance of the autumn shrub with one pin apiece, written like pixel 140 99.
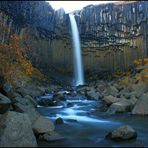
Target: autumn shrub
pixel 139 62
pixel 14 62
pixel 120 73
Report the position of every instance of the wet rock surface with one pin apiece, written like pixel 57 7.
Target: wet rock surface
pixel 59 121
pixel 141 106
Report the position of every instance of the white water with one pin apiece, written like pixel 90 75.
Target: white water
pixel 77 112
pixel 77 58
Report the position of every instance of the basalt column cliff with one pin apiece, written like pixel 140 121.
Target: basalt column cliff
pixel 112 35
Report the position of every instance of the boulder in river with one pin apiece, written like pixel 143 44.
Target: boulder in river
pixel 141 107
pixel 47 102
pixel 16 131
pixel 60 95
pixel 43 125
pixel 125 132
pixel 59 121
pixel 119 107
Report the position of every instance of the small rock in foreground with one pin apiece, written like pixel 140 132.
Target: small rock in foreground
pixel 59 121
pixel 51 136
pixel 125 132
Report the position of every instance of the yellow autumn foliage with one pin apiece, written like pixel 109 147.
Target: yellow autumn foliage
pixel 124 82
pixel 13 59
pixel 121 73
pixel 139 61
pixel 144 74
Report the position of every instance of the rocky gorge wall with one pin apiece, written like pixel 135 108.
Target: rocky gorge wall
pixel 40 27
pixel 112 35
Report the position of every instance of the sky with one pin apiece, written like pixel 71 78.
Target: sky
pixel 70 6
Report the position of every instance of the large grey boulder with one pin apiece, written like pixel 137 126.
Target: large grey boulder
pixel 26 105
pixel 31 101
pixel 139 89
pixel 32 114
pixel 43 125
pixel 16 131
pixel 8 89
pixel 4 103
pixel 125 132
pixel 119 107
pixel 141 107
pixel 18 107
pixel 30 111
pixel 110 99
pixel 29 90
pixel 27 100
pixel 133 100
pixel 20 100
pixel 111 90
pixel 93 94
pixel 126 92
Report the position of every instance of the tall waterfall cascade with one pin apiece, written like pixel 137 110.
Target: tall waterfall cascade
pixel 77 57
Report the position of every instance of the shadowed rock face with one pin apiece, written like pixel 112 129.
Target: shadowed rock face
pixel 16 131
pixel 4 103
pixel 112 35
pixel 28 12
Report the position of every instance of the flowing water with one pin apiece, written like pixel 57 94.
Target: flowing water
pixel 85 126
pixel 77 58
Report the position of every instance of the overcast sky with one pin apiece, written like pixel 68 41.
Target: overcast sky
pixel 73 5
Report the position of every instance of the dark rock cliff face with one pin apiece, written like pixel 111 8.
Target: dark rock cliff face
pixel 112 35
pixel 43 30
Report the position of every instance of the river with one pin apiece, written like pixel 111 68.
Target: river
pixel 85 126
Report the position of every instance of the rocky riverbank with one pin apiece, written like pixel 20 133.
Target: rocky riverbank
pixel 121 94
pixel 124 94
pixel 20 123
pixel 18 104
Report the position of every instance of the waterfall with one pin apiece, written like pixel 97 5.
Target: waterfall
pixel 77 58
